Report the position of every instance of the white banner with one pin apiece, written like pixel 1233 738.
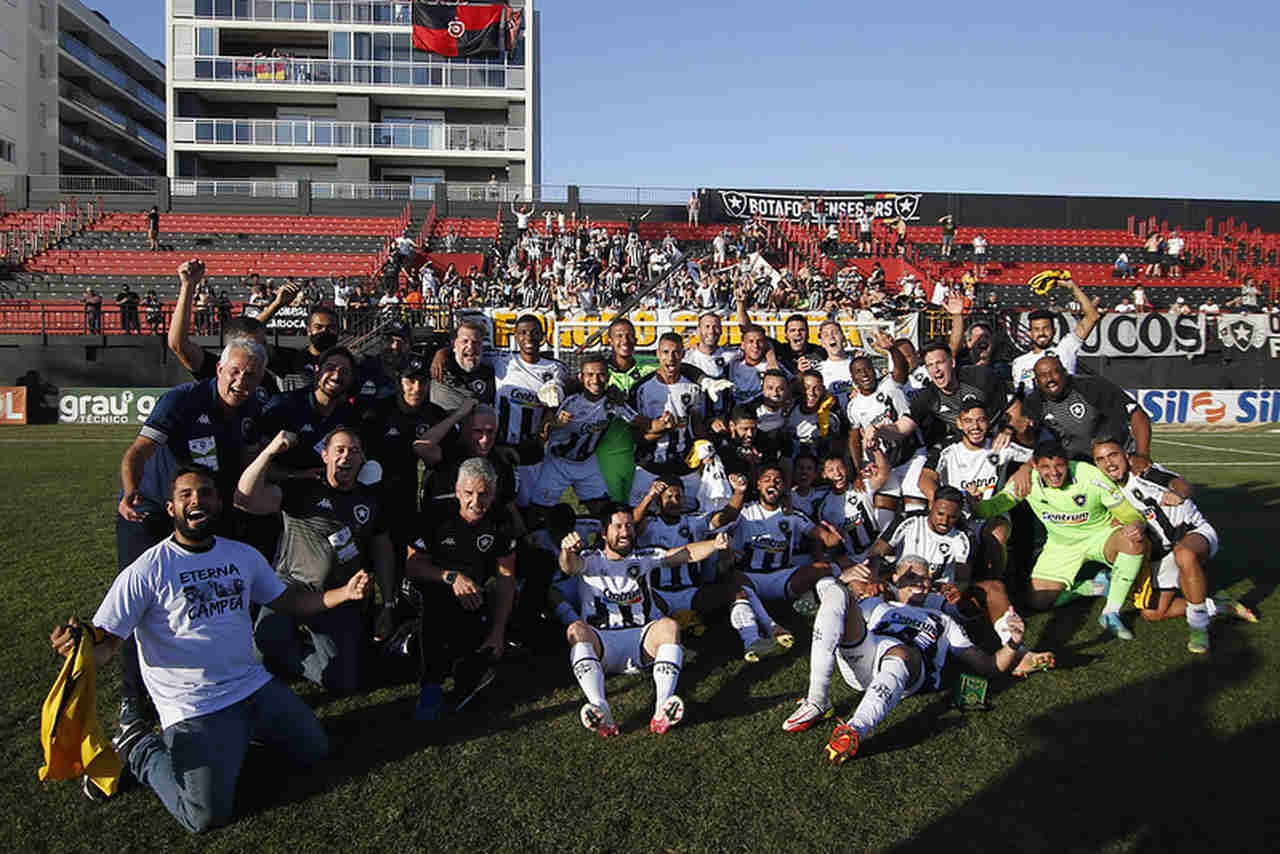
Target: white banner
pixel 1144 334
pixel 1209 406
pixel 746 204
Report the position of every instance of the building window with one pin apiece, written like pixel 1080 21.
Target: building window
pixel 341 45
pixel 205 39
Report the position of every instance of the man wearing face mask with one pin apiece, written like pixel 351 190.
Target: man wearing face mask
pixel 334 529
pixel 297 368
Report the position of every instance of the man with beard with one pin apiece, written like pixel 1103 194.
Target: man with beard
pixel 1077 409
pixel 770 409
pixel 311 413
pixel 738 449
pixel 461 370
pixel 675 407
pixel 623 630
pixel 332 528
pixel 476 436
pixel 815 422
pixel 874 402
pixel 213 423
pixel 1067 349
pixel 695 589
pixel 616 452
pixel 378 376
pixel 573 435
pixel 712 362
pixel 747 374
pixel 1087 519
pixel 398 432
pixel 186 600
pixel 463 566
pixel 1183 542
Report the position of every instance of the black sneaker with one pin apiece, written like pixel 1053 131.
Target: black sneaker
pixel 128 737
pixel 132 710
pixel 472 675
pixel 385 623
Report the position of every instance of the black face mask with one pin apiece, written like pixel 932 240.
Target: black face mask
pixel 322 341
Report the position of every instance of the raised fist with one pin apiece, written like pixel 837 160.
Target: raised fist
pixel 572 542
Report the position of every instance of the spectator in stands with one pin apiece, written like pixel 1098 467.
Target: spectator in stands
pixel 693 206
pixel 1151 255
pixel 203 309
pixel 155 311
pixel 1123 269
pixel 820 211
pixel 899 236
pixel 451 240
pixel 223 307
pixel 1249 295
pixel 1124 306
pixel 948 224
pixel 258 296
pixel 980 255
pixel 153 228
pixel 1173 254
pixel 127 300
pixel 92 311
pixel 864 232
pixel 522 215
pixel 1180 306
pixel 1140 301
pixel 1210 308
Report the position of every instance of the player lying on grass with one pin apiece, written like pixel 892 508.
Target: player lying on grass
pixel 1182 542
pixel 1087 519
pixel 685 589
pixel 623 630
pixel 890 650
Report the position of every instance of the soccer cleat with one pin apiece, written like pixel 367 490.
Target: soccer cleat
pixel 430 698
pixel 91 791
pixel 385 623
pixel 598 719
pixel 128 737
pixel 1237 609
pixel 806 715
pixel 1113 624
pixel 1101 583
pixel 761 648
pixel 843 744
pixel 1198 642
pixel 806 605
pixel 671 714
pixel 1034 662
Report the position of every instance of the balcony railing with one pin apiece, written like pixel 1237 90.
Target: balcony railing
pixel 244 189
pixel 326 134
pixel 300 11
pixel 114 73
pixel 112 115
pixel 99 152
pixel 275 71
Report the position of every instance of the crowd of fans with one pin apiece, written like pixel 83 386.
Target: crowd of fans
pixel 292 512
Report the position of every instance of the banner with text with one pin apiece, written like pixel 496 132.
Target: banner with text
pixel 1149 334
pixel 748 204
pixel 1209 406
pixel 1246 332
pixel 13 405
pixel 107 405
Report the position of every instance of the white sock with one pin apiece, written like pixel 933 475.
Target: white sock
pixel 763 620
pixel 744 622
pixel 828 627
pixel 884 692
pixel 589 672
pixel 1214 608
pixel 666 672
pixel 566 614
pixel 1198 615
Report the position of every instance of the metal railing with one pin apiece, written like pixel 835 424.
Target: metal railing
pixel 263 189
pixel 96 150
pixel 331 134
pixel 112 72
pixel 495 192
pixel 634 195
pixel 92 185
pixel 397 192
pixel 116 118
pixel 261 70
pixel 301 11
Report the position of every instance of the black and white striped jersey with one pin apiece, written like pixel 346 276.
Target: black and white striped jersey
pixel 885 405
pixel 665 536
pixel 932 632
pixel 615 593
pixel 768 539
pixel 810 503
pixel 685 400
pixel 520 413
pixel 853 514
pixel 1171 523
pixel 911 536
pixel 981 468
pixel 578 439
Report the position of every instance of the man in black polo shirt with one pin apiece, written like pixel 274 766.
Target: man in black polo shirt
pixel 333 528
pixel 311 413
pixel 795 346
pixel 476 436
pixel 464 567
pixel 462 371
pixel 1077 410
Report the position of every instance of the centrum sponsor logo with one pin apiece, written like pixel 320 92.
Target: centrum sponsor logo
pixel 107 405
pixel 1066 518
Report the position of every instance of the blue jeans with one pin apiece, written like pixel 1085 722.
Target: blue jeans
pixel 194 764
pixel 331 660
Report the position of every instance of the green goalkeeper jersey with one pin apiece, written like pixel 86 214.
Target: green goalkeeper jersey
pixel 1085 504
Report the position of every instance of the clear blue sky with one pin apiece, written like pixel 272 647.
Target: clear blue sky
pixel 1112 98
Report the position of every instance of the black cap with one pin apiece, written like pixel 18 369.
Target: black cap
pixel 415 366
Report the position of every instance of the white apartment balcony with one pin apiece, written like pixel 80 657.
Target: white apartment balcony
pixel 245 73
pixel 469 143
pixel 301 11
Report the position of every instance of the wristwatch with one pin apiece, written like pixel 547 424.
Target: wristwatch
pixel 450 577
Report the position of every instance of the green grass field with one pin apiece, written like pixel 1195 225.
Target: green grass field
pixel 1126 747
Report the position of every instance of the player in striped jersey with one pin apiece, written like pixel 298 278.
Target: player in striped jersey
pixel 711 359
pixel 815 421
pixel 835 368
pixel 623 630
pixel 573 435
pixel 771 410
pixel 675 406
pixel 1182 542
pixel 807 494
pixel 875 401
pixel 850 506
pixel 694 588
pixel 747 374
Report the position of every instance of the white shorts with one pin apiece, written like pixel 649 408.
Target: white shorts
pixel 881 649
pixel 644 479
pixel 904 480
pixel 771 585
pixel 526 481
pixel 1167 572
pixel 624 649
pixel 558 474
pixel 671 601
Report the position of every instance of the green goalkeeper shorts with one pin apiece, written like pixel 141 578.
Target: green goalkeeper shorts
pixel 1061 561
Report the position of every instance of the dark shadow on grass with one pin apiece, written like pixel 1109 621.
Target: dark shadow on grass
pixel 1137 762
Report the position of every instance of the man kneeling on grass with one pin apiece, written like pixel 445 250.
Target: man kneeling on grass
pixel 623 630
pixel 186 600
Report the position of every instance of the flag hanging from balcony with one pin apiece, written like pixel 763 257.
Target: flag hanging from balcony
pixel 459 30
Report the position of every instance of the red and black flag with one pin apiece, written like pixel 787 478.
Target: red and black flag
pixel 451 29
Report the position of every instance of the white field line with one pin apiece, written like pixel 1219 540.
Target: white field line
pixel 1221 450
